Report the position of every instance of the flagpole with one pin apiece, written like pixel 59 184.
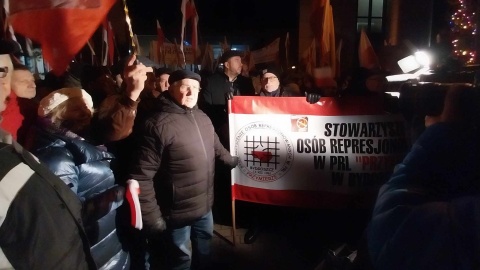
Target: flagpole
pixel 115 45
pixel 130 31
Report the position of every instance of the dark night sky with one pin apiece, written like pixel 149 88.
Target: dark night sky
pixel 253 22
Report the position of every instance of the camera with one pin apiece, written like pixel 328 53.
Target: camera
pixel 422 99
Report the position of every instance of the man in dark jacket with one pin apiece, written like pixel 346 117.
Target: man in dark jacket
pixel 174 166
pixel 220 87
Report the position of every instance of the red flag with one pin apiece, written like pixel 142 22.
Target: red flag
pixel 309 57
pixel 105 45
pixel 207 60
pixel 321 22
pixel 111 44
pixel 62 27
pixel 160 41
pixel 189 12
pixel 366 55
pixel 160 35
pixel 108 46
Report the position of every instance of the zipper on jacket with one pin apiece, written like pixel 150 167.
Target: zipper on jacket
pixel 199 134
pixel 204 152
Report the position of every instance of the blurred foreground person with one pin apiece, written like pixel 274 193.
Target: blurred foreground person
pixel 175 165
pixel 40 217
pixel 427 216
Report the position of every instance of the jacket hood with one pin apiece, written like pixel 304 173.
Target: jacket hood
pixel 83 151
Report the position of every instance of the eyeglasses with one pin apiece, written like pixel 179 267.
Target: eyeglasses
pixel 270 78
pixel 188 88
pixel 3 72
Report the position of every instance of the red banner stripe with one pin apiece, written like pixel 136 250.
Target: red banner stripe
pixel 304 199
pixel 351 105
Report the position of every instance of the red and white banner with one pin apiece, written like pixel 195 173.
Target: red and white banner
pixel 325 155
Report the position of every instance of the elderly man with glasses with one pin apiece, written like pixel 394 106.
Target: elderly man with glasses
pixel 271 84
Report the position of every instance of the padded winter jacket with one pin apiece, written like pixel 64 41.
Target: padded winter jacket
pixel 175 164
pixel 85 168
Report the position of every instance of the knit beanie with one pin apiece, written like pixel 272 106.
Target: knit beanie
pixel 57 97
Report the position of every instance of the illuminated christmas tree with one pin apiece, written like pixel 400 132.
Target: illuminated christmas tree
pixel 464 30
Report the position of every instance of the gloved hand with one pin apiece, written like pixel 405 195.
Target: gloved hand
pixel 157 227
pixel 229 95
pixel 235 161
pixel 313 98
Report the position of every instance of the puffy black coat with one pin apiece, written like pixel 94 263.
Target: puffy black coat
pixel 85 168
pixel 175 164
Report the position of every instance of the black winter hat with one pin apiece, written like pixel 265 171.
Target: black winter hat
pixel 181 74
pixel 229 54
pixel 160 71
pixel 272 69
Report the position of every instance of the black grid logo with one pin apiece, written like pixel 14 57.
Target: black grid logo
pixel 266 154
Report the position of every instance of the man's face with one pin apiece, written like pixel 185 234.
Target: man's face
pixel 234 64
pixel 270 82
pixel 6 63
pixel 185 92
pixel 162 82
pixel 23 84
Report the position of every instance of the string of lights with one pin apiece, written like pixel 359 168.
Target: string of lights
pixel 464 29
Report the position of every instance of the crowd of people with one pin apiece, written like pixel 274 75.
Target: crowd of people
pixel 71 144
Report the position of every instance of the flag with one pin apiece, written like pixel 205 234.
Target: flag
pixel 321 22
pixel 105 44
pixel 309 57
pixel 108 44
pixel 189 12
pixel 207 59
pixel 92 51
pixel 137 44
pixel 366 55
pixel 160 35
pixel 62 28
pixel 11 33
pixel 111 44
pixel 160 41
pixel 224 45
pixel 179 63
pixel 29 47
pixel 327 49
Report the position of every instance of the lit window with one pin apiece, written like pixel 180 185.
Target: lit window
pixel 370 15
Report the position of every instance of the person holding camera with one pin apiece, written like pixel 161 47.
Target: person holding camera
pixel 428 214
